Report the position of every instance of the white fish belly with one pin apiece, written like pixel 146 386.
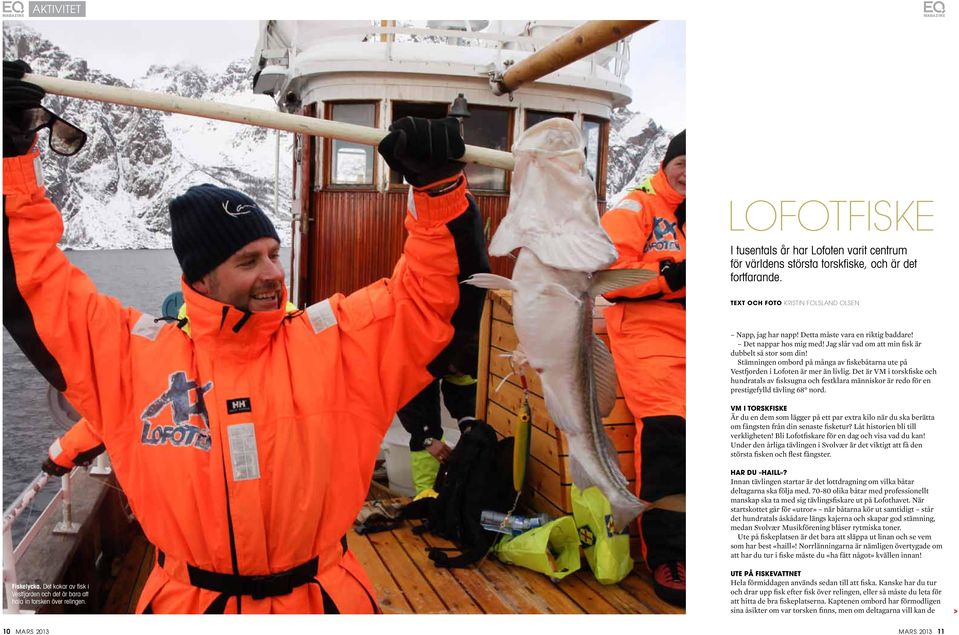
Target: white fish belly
pixel 549 309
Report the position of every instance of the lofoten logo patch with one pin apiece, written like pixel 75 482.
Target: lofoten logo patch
pixel 238 210
pixel 178 417
pixel 663 237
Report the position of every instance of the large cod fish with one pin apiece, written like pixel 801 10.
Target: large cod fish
pixel 564 252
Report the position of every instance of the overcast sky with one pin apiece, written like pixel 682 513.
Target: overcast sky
pixel 657 54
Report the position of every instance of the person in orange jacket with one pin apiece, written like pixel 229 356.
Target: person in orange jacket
pixel 647 333
pixel 77 446
pixel 246 446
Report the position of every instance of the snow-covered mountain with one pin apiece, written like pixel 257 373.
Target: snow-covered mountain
pixel 114 194
pixel 637 145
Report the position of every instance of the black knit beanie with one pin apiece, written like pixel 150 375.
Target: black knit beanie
pixel 677 148
pixel 209 224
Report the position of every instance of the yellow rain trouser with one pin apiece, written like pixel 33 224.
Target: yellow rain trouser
pixel 424 469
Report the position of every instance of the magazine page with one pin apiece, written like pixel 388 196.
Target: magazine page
pixel 820 360
pixel 228 443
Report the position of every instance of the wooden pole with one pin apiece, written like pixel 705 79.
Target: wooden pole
pixel 566 49
pixel 242 114
pixel 581 41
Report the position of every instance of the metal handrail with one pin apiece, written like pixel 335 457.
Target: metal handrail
pixel 620 56
pixel 22 503
pixel 10 555
pixel 364 31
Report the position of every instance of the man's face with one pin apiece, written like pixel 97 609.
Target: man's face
pixel 251 279
pixel 676 174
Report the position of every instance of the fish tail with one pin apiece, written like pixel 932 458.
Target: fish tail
pixel 623 503
pixel 624 511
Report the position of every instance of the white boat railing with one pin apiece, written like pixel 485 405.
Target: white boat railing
pixel 614 58
pixel 60 503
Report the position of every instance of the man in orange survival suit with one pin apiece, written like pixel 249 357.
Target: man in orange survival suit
pixel 647 331
pixel 246 447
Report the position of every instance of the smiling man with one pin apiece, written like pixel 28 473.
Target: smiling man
pixel 227 247
pixel 243 434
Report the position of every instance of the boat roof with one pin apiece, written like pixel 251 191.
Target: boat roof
pixel 292 53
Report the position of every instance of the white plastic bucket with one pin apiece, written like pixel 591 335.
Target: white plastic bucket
pixel 396 449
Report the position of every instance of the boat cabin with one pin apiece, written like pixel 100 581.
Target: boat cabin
pixel 348 204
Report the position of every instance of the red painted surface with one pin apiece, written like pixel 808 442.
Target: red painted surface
pixel 355 238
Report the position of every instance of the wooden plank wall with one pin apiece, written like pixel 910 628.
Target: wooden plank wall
pixel 548 471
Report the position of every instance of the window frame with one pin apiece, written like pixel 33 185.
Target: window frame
pixel 566 115
pixel 327 146
pixel 602 154
pixel 510 135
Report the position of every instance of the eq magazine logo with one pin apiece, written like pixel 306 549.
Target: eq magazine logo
pixel 13 8
pixel 934 9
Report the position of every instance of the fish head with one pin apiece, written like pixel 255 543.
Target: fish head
pixel 556 135
pixel 552 209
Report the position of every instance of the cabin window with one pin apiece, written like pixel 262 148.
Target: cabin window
pixel 596 132
pixel 351 164
pixel 488 127
pixel 415 109
pixel 534 117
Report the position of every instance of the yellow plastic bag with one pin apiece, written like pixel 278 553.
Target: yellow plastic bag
pixel 607 553
pixel 552 549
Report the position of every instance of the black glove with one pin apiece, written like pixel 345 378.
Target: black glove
pixel 674 272
pixel 82 459
pixel 53 469
pixel 423 150
pixel 18 97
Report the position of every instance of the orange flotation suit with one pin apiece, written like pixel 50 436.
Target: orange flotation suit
pixel 647 323
pixel 247 446
pixel 647 332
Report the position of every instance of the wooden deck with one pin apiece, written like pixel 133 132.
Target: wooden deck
pixel 406 581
